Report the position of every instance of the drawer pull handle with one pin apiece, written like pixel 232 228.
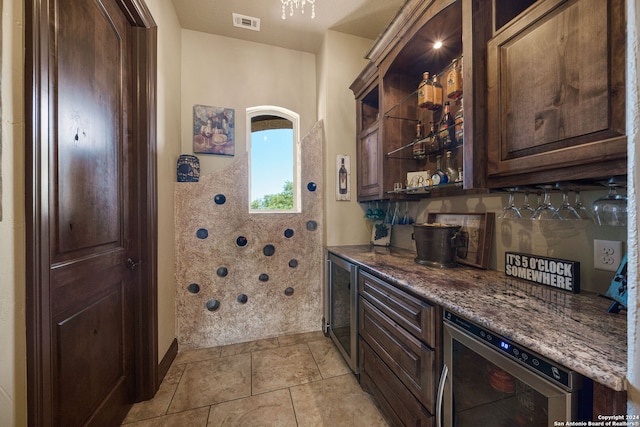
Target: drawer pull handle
pixel 443 378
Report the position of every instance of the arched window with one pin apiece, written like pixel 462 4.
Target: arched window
pixel 274 159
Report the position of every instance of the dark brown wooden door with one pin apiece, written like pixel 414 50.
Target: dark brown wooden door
pixel 90 189
pixel 91 234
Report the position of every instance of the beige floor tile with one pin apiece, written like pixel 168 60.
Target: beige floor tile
pixel 192 418
pixel 330 361
pixel 268 409
pixel 336 402
pixel 196 355
pixel 300 338
pixel 160 403
pixel 246 347
pixel 213 381
pixel 282 367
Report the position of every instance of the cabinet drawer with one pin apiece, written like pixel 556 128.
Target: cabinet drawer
pixel 409 359
pixel 396 402
pixel 416 316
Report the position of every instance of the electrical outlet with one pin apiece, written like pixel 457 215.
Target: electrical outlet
pixel 607 254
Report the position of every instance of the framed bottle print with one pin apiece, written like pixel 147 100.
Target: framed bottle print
pixel 343 177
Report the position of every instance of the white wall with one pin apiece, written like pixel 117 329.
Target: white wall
pixel 340 61
pixel 633 272
pixel 224 72
pixel 13 387
pixel 168 149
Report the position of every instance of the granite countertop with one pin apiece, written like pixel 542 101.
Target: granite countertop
pixel 574 330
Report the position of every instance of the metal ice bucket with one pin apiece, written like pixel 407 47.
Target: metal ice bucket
pixel 436 244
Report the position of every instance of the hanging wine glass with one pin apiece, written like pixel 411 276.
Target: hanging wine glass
pixel 510 211
pixel 581 209
pixel 378 213
pixel 546 210
pixel 526 210
pixel 566 211
pixel 369 213
pixel 612 208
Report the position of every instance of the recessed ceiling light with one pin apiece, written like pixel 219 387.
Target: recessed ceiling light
pixel 437 44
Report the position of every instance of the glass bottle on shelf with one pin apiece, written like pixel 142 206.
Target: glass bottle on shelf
pixel 429 181
pixel 432 140
pixel 419 149
pixel 460 177
pixel 447 128
pixel 454 79
pixel 459 124
pixel 425 92
pixel 452 173
pixel 437 94
pixel 439 177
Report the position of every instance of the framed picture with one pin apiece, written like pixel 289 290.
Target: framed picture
pixel 213 130
pixel 343 177
pixel 478 231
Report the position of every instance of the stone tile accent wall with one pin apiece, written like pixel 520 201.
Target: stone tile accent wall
pixel 227 293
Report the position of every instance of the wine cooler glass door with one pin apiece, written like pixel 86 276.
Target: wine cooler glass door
pixel 483 387
pixel 342 308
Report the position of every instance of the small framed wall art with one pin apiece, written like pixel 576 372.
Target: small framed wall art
pixel 343 177
pixel 213 130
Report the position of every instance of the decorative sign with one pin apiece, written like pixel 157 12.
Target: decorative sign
pixel 557 273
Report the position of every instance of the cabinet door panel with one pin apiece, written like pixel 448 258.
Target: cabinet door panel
pixel 556 88
pixel 396 402
pixel 416 316
pixel 412 361
pixel 369 171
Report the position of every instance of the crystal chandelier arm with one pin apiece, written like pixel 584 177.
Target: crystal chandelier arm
pixel 298 4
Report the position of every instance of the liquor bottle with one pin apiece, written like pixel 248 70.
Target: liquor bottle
pixel 432 140
pixel 454 79
pixel 452 173
pixel 429 181
pixel 342 178
pixel 447 128
pixel 419 149
pixel 437 94
pixel 439 177
pixel 460 177
pixel 425 92
pixel 459 124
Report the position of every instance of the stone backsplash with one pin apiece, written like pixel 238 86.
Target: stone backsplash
pixel 244 276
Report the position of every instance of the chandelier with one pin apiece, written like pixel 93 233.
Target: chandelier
pixel 298 4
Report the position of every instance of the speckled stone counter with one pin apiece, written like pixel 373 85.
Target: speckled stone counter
pixel 572 329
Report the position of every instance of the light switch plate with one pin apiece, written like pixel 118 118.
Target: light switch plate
pixel 607 254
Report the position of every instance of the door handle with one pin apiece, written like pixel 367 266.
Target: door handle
pixel 443 378
pixel 131 264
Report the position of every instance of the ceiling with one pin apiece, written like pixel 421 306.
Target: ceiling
pixel 363 18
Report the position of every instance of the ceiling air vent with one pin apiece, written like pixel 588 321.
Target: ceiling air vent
pixel 247 22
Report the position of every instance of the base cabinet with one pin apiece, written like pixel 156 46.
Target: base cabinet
pixel 393 398
pixel 400 358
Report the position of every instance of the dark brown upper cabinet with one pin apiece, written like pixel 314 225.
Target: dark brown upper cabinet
pixel 556 94
pixel 398 59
